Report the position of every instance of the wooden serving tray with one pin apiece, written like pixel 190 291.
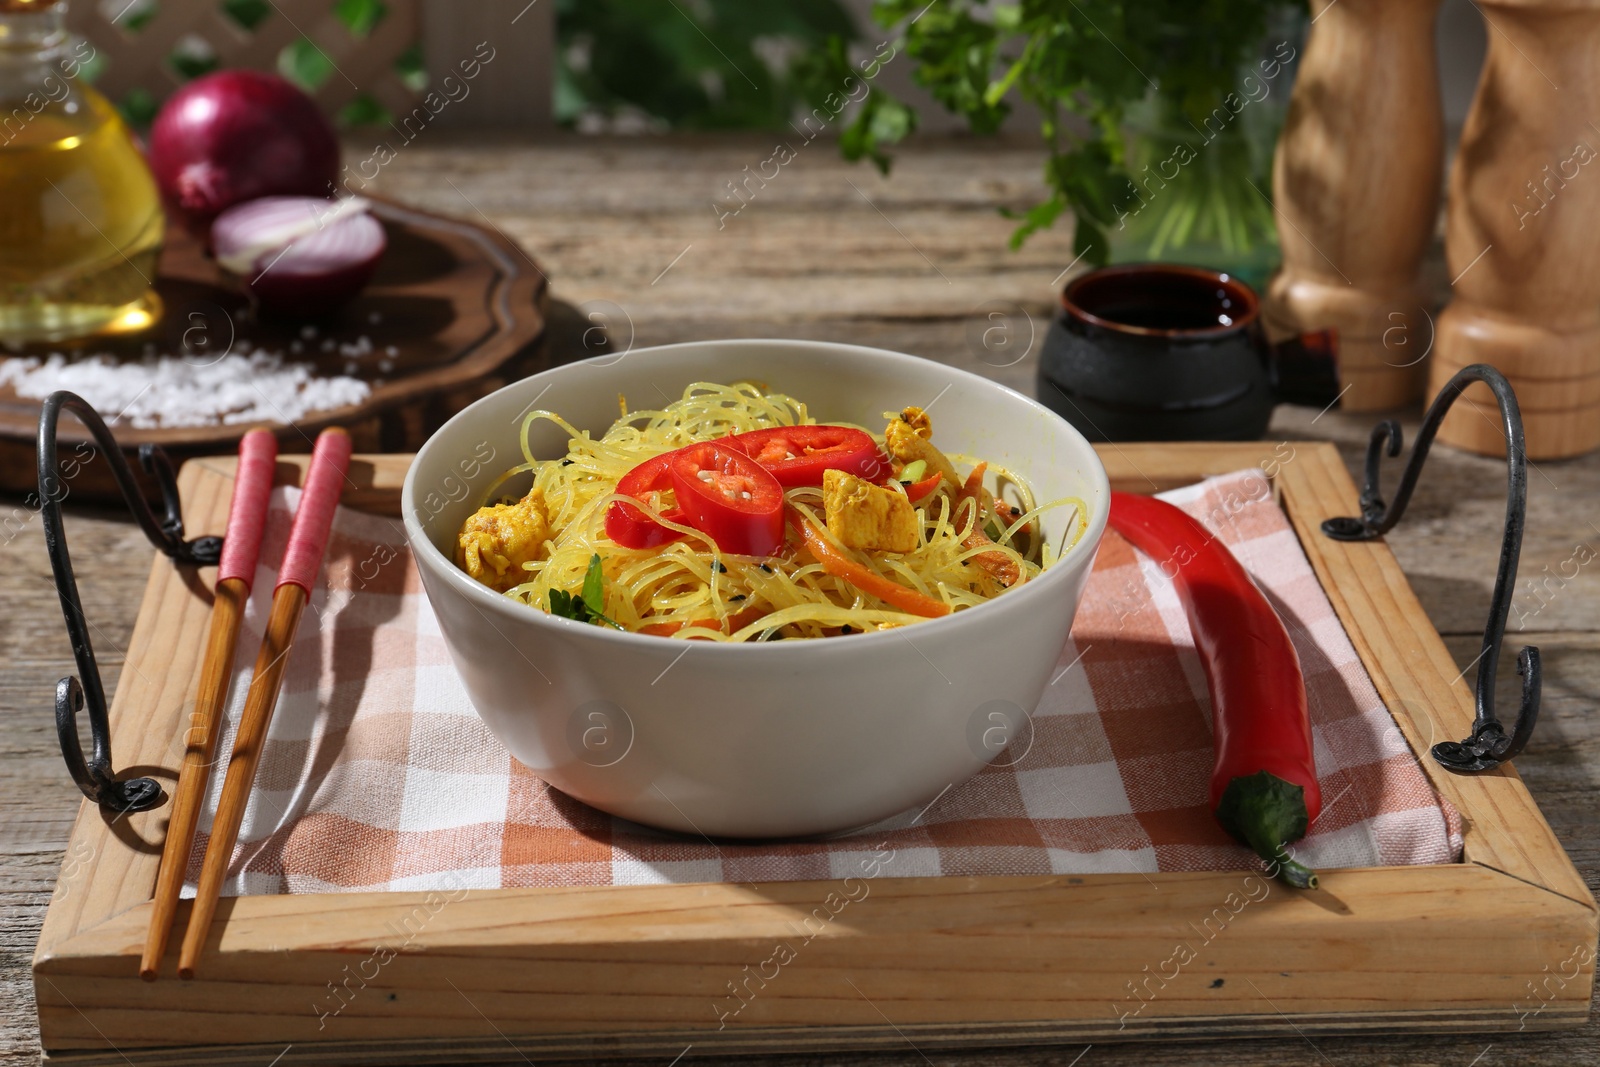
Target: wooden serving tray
pixel 1503 941
pixel 460 304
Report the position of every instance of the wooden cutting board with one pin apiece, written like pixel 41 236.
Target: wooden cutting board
pixel 456 310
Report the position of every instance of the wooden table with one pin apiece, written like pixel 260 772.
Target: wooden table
pixel 630 235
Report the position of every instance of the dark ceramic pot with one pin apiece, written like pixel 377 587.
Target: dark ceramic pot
pixel 1160 352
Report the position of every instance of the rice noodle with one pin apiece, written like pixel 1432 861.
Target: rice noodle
pixel 690 585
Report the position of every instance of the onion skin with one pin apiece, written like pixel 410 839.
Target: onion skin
pixel 236 135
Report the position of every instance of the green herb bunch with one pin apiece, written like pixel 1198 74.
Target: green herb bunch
pixel 1083 63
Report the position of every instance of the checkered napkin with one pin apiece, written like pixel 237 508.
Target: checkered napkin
pixel 377 773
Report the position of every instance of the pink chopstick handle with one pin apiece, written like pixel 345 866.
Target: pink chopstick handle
pixel 247 511
pixel 313 519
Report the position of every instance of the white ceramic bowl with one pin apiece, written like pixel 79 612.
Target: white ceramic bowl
pixel 782 739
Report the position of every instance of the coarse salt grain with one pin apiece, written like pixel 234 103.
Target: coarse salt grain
pixel 169 391
pixel 362 346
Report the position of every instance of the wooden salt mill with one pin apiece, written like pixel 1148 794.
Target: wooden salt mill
pixel 1356 179
pixel 1519 237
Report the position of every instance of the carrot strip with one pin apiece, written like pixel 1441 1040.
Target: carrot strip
pixel 840 566
pixel 997 564
pixel 917 490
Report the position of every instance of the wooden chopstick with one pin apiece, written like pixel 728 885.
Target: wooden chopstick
pixel 302 560
pixel 241 546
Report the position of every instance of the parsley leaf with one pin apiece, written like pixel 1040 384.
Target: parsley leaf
pixel 564 605
pixel 589 605
pixel 594 587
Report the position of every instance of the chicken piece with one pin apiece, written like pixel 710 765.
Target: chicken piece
pixel 497 540
pixel 908 442
pixel 866 516
pixel 919 422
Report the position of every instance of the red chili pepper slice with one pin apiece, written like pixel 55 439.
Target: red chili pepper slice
pixel 1264 787
pixel 729 496
pixel 632 528
pixel 797 455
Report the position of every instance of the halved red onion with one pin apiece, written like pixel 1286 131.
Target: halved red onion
pixel 241 235
pixel 300 256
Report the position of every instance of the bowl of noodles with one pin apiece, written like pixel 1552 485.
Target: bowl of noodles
pixel 755 588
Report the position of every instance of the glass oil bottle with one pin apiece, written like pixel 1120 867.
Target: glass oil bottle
pixel 80 217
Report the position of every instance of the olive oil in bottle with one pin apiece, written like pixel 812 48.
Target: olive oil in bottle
pixel 80 218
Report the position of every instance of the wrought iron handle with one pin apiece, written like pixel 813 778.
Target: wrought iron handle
pixel 94 775
pixel 1489 745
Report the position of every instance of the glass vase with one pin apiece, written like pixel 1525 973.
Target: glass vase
pixel 1202 179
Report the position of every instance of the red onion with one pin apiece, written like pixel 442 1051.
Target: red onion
pixel 300 256
pixel 235 135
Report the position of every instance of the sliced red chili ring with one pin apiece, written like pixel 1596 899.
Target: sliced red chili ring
pixel 797 455
pixel 632 528
pixel 729 496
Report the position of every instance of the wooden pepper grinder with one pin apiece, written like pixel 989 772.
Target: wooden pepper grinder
pixel 1356 179
pixel 1520 233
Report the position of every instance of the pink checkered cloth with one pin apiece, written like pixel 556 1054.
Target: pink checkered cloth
pixel 378 775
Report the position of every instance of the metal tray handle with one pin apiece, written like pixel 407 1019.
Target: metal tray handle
pixel 95 776
pixel 1489 745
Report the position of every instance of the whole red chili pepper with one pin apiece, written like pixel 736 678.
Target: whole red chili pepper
pixel 1264 784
